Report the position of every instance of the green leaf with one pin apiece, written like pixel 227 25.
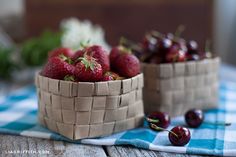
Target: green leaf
pixel 34 51
pixel 7 65
pixel 69 78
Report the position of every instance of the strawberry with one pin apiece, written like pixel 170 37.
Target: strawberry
pixel 127 65
pixel 96 52
pixel 115 53
pixel 108 76
pixel 61 51
pixel 58 67
pixel 77 54
pixel 88 69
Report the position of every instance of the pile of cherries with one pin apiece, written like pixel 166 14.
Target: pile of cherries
pixel 167 48
pixel 179 135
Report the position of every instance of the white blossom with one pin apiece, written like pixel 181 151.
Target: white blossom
pixel 76 31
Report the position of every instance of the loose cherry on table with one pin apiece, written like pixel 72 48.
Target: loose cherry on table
pixel 160 119
pixel 195 117
pixel 178 136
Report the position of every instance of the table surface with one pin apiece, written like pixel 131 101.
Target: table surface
pixel 28 146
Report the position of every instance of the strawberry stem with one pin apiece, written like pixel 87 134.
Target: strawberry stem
pixel 84 44
pixel 162 129
pixel 66 59
pixel 69 78
pixel 88 62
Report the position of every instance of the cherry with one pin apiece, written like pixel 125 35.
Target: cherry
pixel 194 118
pixel 175 54
pixel 149 43
pixel 160 119
pixel 192 47
pixel 181 43
pixel 193 57
pixel 164 44
pixel 179 136
pixel 170 36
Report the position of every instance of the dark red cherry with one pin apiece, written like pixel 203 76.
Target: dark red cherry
pixel 164 45
pixel 181 43
pixel 192 57
pixel 192 47
pixel 170 36
pixel 175 54
pixel 179 136
pixel 160 119
pixel 149 43
pixel 194 118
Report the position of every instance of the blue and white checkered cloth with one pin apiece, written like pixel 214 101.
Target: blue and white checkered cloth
pixel 18 116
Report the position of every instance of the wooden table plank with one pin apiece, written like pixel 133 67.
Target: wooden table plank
pixel 10 143
pixel 128 151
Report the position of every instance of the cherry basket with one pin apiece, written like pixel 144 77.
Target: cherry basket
pixel 83 109
pixel 177 87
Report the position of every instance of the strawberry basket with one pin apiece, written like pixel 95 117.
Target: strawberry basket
pixel 89 109
pixel 177 87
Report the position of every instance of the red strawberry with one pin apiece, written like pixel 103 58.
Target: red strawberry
pixel 61 51
pixel 77 55
pixel 127 65
pixel 58 67
pixel 108 76
pixel 115 53
pixel 88 70
pixel 96 52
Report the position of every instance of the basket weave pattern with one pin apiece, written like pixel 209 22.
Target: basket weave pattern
pixel 83 109
pixel 178 87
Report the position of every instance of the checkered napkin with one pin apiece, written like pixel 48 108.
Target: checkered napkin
pixel 18 116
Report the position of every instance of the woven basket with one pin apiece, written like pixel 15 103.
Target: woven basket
pixel 83 109
pixel 178 87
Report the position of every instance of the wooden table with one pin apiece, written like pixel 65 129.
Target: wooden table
pixel 10 143
pixel 36 146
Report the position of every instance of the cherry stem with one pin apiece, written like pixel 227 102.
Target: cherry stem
pixel 162 129
pixel 123 41
pixel 156 34
pixel 218 123
pixel 207 45
pixel 152 120
pixel 180 29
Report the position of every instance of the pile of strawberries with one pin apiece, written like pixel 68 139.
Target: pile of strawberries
pixel 91 64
